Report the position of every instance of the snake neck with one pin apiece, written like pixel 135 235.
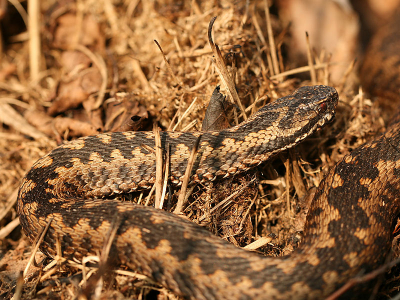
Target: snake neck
pixel 274 128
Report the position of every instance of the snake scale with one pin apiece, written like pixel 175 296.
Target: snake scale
pixel 348 229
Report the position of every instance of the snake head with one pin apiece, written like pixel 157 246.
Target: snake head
pixel 321 100
pixel 293 118
pixel 308 108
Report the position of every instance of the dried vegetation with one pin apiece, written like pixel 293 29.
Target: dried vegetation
pixel 126 65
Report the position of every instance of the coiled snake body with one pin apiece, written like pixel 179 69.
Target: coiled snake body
pixel 348 229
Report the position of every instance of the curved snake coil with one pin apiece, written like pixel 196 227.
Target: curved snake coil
pixel 71 184
pixel 347 232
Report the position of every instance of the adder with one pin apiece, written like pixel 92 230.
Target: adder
pixel 348 229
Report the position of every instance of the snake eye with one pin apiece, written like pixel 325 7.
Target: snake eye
pixel 323 107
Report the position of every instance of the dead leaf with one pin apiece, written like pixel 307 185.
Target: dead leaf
pixel 72 94
pixel 124 113
pixel 60 127
pixel 67 33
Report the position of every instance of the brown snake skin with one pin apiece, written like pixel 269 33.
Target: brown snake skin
pixel 70 185
pixel 348 229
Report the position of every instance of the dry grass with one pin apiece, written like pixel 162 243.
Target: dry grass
pixel 171 81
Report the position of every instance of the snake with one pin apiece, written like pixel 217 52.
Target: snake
pixel 74 191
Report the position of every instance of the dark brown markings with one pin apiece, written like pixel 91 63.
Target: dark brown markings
pixel 73 183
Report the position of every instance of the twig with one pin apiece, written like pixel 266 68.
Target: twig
pixel 360 279
pixel 186 177
pixel 300 70
pixel 168 65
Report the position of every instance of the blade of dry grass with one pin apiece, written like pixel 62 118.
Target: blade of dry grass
pixel 101 65
pixel 186 177
pixel 300 70
pixel 166 176
pixel 311 61
pixel 159 165
pixel 326 69
pixel 37 243
pixel 288 181
pixel 258 243
pixel 6 230
pixel 148 198
pixel 168 65
pixel 96 282
pixel 361 279
pixel 111 15
pixel 34 38
pixel 18 289
pixel 18 6
pixel 137 69
pixel 260 35
pixel 189 126
pixel 343 81
pixel 12 199
pixel 185 113
pixel 10 117
pixel 50 272
pixel 271 39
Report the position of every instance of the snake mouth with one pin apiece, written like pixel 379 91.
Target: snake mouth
pixel 326 107
pixel 328 118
